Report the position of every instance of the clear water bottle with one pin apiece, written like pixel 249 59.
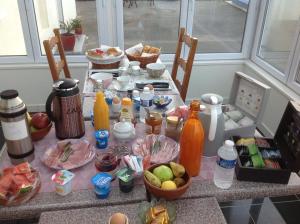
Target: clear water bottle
pixel 224 170
pixel 136 100
pixel 146 102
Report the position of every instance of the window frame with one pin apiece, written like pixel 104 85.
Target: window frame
pixel 281 76
pixel 29 57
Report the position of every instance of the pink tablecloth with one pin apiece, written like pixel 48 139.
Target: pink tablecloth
pixel 84 174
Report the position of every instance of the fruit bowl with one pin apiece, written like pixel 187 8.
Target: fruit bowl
pixel 38 134
pixel 167 194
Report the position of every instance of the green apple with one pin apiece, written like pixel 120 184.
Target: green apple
pixel 163 172
pixel 33 129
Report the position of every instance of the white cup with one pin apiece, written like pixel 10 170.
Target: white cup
pixel 123 80
pixel 133 64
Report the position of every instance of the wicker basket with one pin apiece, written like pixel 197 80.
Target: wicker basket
pixel 143 60
pixel 106 66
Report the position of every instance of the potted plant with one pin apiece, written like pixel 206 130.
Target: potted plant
pixel 67 37
pixel 77 26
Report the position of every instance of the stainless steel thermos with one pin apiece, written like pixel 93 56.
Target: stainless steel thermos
pixel 13 116
pixel 66 112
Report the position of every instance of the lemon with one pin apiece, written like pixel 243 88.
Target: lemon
pixel 168 185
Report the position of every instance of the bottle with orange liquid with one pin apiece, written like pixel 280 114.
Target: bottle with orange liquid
pixel 101 112
pixel 191 141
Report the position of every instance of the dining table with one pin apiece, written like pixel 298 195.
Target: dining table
pixel 201 198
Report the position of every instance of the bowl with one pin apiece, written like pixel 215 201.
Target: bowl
pixel 106 78
pixel 155 70
pixel 40 133
pixel 161 101
pixel 167 194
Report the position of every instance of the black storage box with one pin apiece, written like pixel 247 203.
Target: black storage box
pixel 287 140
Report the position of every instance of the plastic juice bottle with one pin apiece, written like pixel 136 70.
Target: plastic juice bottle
pixel 191 141
pixel 101 112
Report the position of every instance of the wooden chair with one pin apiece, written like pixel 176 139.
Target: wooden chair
pixel 56 67
pixel 186 65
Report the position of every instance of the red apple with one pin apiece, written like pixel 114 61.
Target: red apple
pixel 40 120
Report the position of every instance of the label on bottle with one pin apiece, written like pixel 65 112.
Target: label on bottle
pixel 227 164
pixel 15 130
pixel 146 103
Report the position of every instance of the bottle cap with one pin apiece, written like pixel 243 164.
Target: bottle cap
pixel 146 89
pixel 126 101
pixel 135 93
pixel 195 105
pixel 229 143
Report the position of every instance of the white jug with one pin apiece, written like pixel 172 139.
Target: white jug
pixel 213 122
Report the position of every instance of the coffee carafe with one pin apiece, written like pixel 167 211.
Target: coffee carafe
pixel 213 122
pixel 14 121
pixel 66 110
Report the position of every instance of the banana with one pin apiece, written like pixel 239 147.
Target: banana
pixel 152 178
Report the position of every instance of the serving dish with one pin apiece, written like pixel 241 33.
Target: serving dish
pixel 167 194
pixel 58 157
pixel 106 78
pixel 161 101
pixel 40 133
pixel 161 148
pixel 24 195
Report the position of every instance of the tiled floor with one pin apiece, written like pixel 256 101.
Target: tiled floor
pixel 274 210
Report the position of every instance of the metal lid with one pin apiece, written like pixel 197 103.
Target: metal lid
pixel 65 84
pixel 10 104
pixel 9 94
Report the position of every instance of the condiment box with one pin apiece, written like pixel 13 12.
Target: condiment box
pixel 250 97
pixel 287 141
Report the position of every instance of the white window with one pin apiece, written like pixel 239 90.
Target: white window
pixel 14 38
pixel 277 37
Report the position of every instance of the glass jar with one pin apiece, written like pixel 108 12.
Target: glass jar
pixel 173 127
pixel 126 110
pixel 153 123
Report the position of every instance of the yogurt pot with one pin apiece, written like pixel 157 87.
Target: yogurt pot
pixel 63 182
pixel 101 182
pixel 101 138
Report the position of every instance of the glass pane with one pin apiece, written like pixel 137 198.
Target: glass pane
pixel 219 25
pixel 47 19
pixel 279 31
pixel 86 12
pixel 49 14
pixel 155 23
pixel 12 43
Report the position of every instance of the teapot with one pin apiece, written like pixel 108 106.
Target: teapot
pixel 213 122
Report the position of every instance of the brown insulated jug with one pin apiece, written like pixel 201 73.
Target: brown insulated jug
pixel 66 110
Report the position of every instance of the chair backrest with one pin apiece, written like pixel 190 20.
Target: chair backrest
pixel 56 67
pixel 186 65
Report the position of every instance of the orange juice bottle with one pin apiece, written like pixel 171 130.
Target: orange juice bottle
pixel 101 112
pixel 191 141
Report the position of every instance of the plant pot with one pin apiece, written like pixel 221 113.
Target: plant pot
pixel 68 41
pixel 78 30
